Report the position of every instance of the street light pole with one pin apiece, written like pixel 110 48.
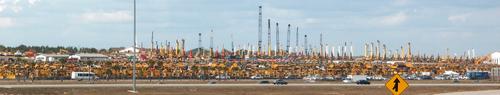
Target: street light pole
pixel 135 53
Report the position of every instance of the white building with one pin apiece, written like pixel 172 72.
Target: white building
pixel 90 57
pixel 50 57
pixel 18 53
pixel 128 50
pixel 495 58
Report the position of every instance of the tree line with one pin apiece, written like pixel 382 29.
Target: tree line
pixel 51 49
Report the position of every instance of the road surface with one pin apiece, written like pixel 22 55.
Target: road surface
pixel 485 92
pixel 221 85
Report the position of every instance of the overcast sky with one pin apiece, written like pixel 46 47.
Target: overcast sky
pixel 431 25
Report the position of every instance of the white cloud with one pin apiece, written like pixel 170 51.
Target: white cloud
pixel 402 2
pixel 15 2
pixel 311 20
pixel 458 18
pixel 394 19
pixel 15 6
pixel 6 22
pixel 105 17
pixel 2 7
pixel 33 2
pixel 277 13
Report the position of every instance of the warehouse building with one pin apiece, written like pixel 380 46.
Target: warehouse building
pixel 90 57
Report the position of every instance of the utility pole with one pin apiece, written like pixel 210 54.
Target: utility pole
pixel 134 90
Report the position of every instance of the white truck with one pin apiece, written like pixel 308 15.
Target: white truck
pixel 356 78
pixel 83 75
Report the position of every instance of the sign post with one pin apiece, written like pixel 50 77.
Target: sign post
pixel 396 84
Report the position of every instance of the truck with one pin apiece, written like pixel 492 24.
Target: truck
pixel 83 76
pixel 356 78
pixel 477 75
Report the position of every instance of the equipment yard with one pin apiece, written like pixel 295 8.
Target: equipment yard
pixel 249 47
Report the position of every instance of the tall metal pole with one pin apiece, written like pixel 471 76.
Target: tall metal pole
pixel 321 44
pixel 277 51
pixel 378 50
pixel 260 29
pixel 269 37
pixel 288 40
pixel 211 43
pixel 152 44
pixel 305 45
pixel 232 44
pixel 135 52
pixel 384 57
pixel 297 40
pixel 199 53
pixel 351 52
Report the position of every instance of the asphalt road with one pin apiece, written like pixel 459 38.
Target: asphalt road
pixel 484 92
pixel 205 85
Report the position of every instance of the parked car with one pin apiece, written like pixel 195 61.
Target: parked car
pixel 424 78
pixel 264 82
pixel 313 77
pixel 346 80
pixel 439 77
pixel 329 78
pixel 379 78
pixel 222 77
pixel 212 82
pixel 292 77
pixel 362 82
pixel 280 82
pixel 203 76
pixel 256 77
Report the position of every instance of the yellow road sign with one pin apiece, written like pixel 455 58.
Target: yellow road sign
pixel 396 85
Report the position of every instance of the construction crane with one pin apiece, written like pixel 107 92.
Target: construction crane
pixel 269 47
pixel 288 39
pixel 277 51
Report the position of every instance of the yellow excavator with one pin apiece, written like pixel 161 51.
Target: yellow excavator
pixel 482 59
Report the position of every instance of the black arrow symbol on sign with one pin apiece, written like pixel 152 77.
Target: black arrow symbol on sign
pixel 395 88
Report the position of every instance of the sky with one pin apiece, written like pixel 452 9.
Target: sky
pixel 431 26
